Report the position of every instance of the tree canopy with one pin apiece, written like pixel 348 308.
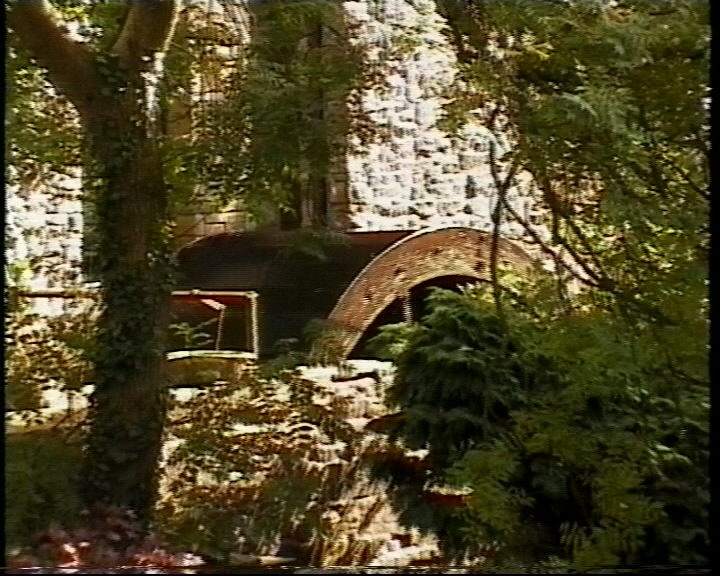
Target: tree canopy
pixel 606 106
pixel 571 406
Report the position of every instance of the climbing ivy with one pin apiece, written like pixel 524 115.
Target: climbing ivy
pixel 137 172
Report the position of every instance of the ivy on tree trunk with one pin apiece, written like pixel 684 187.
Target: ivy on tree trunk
pixel 109 90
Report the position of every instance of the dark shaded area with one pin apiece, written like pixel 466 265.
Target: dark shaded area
pixel 206 332
pixel 393 314
pixel 420 292
pixel 456 382
pixel 299 278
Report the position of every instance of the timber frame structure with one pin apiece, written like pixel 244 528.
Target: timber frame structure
pixel 210 299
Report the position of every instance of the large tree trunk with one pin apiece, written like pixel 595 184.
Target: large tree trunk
pixel 108 90
pixel 128 404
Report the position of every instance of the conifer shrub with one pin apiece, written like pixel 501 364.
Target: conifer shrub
pixel 567 440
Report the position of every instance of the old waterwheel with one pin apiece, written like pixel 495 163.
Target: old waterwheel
pixel 264 288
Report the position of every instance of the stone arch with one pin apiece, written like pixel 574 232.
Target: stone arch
pixel 417 258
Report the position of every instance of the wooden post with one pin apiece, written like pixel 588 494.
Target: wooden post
pixel 254 324
pixel 407 307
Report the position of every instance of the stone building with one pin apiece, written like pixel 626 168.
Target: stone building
pixel 421 194
pixel 419 187
pixel 420 176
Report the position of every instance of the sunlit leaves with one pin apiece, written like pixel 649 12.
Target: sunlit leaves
pixel 605 108
pixel 254 462
pixel 299 60
pixel 42 128
pixel 46 353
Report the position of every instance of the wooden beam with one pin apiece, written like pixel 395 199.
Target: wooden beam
pixel 93 292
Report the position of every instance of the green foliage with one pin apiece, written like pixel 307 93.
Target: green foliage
pixel 605 106
pixel 192 336
pixel 44 353
pixel 325 340
pixel 572 440
pixel 137 170
pixel 460 375
pixel 249 467
pixel 318 344
pixel 41 471
pixel 298 61
pixel 41 125
pixel 391 340
pixel 611 122
pixel 490 377
pixel 286 355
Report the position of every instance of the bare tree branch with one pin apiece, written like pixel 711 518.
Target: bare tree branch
pixel 557 209
pixel 148 28
pixel 502 188
pixel 70 64
pixel 547 249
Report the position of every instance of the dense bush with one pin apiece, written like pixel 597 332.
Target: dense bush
pixel 602 107
pixel 460 375
pixel 573 439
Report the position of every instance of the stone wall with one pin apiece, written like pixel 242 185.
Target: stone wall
pixel 419 177
pixel 366 529
pixel 422 176
pixel 44 219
